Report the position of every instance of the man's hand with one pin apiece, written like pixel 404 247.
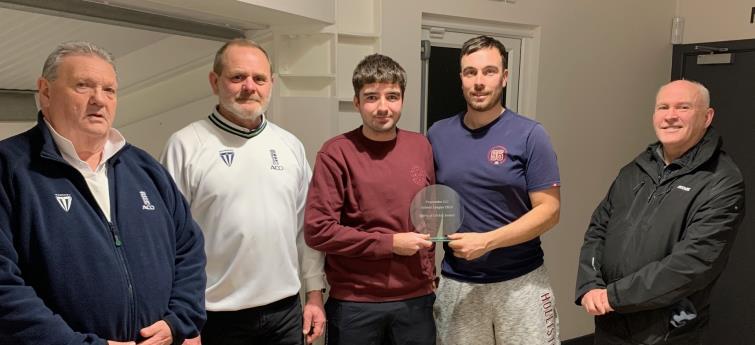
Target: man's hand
pixel 469 245
pixel 408 243
pixel 111 342
pixel 193 341
pixel 596 303
pixel 314 316
pixel 157 334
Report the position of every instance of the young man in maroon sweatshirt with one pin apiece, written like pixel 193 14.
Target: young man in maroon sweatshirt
pixel 380 271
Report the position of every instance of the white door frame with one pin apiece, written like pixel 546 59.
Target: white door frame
pixel 522 43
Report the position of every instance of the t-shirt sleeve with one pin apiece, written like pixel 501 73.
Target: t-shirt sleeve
pixel 542 165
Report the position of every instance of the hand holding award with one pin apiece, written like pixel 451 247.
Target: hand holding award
pixel 436 210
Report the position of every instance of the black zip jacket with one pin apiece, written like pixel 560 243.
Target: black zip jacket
pixel 658 242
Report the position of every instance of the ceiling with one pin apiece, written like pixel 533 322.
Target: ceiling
pixel 157 69
pixel 29 37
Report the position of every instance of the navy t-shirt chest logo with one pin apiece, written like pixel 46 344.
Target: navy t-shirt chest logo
pixel 497 155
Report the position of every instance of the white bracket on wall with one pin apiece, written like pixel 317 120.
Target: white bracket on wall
pixel 677 30
pixel 436 32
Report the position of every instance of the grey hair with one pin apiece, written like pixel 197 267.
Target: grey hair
pixel 703 92
pixel 50 68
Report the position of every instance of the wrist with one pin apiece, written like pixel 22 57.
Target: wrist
pixel 490 240
pixel 315 296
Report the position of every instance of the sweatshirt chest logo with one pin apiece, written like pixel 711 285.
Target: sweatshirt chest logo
pixel 418 175
pixel 227 156
pixel 497 155
pixel 64 200
pixel 145 200
pixel 275 164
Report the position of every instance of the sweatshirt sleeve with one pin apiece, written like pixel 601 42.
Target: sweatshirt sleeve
pixel 174 159
pixel 311 261
pixel 186 312
pixel 588 272
pixel 322 228
pixel 24 317
pixel 694 262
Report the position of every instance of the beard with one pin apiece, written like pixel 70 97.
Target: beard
pixel 240 112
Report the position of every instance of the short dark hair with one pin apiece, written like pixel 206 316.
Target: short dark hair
pixel 377 68
pixel 217 65
pixel 483 42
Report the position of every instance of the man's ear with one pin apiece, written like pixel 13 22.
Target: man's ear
pixel 709 116
pixel 43 85
pixel 213 82
pixel 356 102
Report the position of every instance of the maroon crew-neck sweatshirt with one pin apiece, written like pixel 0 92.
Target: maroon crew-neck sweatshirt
pixel 358 198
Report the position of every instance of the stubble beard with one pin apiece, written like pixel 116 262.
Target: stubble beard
pixel 490 103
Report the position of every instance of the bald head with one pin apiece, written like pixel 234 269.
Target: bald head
pixel 701 94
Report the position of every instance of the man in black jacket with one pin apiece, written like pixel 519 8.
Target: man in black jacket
pixel 661 237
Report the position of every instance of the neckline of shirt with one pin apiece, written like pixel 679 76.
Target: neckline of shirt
pixel 226 125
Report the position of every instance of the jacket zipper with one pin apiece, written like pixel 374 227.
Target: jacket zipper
pixel 131 300
pixel 114 232
pixel 130 328
pixel 118 242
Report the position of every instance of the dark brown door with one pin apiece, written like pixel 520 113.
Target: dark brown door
pixel 732 94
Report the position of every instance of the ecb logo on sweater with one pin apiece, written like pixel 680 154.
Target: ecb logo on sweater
pixel 64 200
pixel 497 155
pixel 227 156
pixel 147 205
pixel 274 157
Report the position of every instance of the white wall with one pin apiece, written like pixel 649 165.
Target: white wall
pixel 156 108
pixel 708 21
pixel 9 129
pixel 600 65
pixel 152 133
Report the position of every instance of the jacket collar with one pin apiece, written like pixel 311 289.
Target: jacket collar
pixel 50 149
pixel 704 150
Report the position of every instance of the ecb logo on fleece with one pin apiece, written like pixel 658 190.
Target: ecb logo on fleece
pixel 145 200
pixel 226 156
pixel 64 200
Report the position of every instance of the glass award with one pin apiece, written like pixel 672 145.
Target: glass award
pixel 436 210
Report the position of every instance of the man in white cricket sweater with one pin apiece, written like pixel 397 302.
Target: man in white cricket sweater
pixel 246 180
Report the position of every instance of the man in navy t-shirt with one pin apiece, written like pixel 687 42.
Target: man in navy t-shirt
pixel 495 289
